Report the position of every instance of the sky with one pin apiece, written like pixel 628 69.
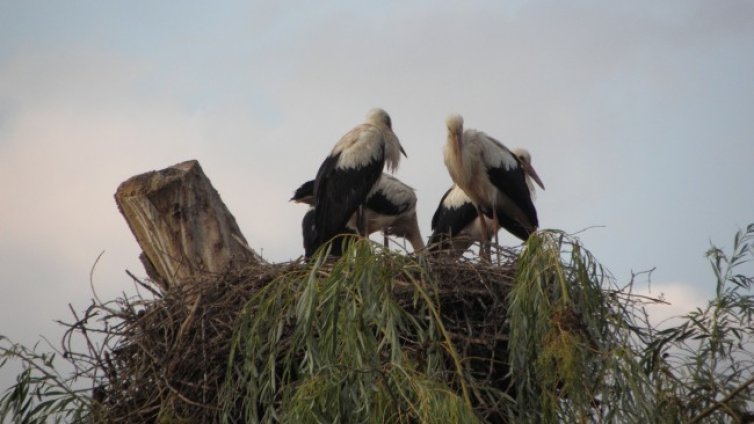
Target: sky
pixel 639 117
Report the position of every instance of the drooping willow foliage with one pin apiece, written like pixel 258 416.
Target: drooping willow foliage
pixel 336 345
pixel 573 350
pixel 541 334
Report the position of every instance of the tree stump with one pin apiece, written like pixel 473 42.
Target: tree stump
pixel 182 225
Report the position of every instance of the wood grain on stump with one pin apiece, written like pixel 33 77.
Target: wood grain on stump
pixel 182 225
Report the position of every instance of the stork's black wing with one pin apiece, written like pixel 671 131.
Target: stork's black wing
pixel 339 191
pixel 439 211
pixel 514 227
pixel 512 183
pixel 380 203
pixel 310 236
pixel 448 222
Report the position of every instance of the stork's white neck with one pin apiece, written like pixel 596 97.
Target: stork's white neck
pixel 454 160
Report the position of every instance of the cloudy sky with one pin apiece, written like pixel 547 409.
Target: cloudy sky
pixel 639 117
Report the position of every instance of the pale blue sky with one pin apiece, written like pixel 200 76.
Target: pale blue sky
pixel 639 117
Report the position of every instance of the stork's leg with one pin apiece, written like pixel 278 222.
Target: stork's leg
pixel 495 226
pixel 385 240
pixel 484 245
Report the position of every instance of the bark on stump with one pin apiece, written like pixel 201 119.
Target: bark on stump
pixel 183 227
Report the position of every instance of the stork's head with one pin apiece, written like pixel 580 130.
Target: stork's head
pixel 454 123
pixel 525 157
pixel 378 116
pixel 304 194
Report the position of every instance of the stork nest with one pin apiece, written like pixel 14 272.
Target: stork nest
pixel 165 353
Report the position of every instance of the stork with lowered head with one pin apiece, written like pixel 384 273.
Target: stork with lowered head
pixel 349 174
pixel 390 207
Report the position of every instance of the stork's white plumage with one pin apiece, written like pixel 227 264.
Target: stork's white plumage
pixel 456 224
pixel 493 177
pixel 350 172
pixel 390 207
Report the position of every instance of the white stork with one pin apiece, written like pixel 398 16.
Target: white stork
pixel 350 172
pixel 456 224
pixel 390 207
pixel 493 177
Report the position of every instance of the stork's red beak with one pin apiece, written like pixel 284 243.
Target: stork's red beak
pixel 533 174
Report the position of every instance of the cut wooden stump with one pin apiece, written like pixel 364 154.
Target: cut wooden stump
pixel 182 225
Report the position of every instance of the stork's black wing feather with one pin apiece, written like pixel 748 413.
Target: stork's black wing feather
pixel 514 227
pixel 310 237
pixel 438 212
pixel 338 192
pixel 448 222
pixel 309 233
pixel 380 203
pixel 512 183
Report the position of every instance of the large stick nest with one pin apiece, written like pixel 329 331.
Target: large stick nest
pixel 166 354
